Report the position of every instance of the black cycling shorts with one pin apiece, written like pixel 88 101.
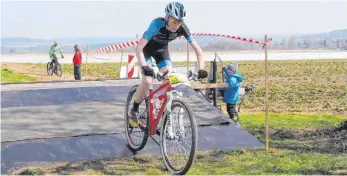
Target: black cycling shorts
pixel 161 55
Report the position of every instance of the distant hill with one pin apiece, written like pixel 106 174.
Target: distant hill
pixel 336 39
pixel 18 41
pixel 24 45
pixel 336 34
pixel 63 41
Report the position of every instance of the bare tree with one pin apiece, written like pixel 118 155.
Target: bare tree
pixel 312 42
pixel 292 44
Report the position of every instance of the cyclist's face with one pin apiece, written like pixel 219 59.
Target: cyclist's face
pixel 230 72
pixel 174 24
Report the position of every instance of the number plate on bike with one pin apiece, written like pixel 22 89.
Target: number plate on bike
pixel 178 78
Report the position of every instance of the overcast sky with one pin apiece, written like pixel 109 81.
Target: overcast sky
pixel 56 19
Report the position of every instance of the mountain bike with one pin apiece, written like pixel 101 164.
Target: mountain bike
pixel 54 67
pixel 165 118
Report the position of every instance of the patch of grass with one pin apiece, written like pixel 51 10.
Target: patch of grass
pixel 154 171
pixel 98 70
pixel 9 76
pixel 277 161
pixel 297 122
pixel 31 172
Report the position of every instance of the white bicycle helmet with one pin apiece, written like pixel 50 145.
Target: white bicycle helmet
pixel 233 66
pixel 176 10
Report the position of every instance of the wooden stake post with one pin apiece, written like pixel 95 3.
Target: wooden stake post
pixel 266 98
pixel 121 59
pixel 214 80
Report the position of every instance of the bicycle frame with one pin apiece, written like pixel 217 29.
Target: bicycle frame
pixel 154 120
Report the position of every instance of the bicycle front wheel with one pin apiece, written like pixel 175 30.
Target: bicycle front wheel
pixel 58 70
pixel 179 138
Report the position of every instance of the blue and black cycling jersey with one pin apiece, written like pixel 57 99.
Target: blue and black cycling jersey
pixel 158 38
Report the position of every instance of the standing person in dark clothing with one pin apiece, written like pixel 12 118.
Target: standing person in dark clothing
pixel 77 61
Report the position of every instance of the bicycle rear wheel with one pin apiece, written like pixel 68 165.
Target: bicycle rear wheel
pixel 185 132
pixel 49 68
pixel 136 137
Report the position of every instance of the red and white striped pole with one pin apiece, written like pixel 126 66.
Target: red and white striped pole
pixel 131 64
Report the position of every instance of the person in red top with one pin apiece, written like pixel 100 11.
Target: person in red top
pixel 77 61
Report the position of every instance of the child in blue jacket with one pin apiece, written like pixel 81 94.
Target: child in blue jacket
pixel 231 94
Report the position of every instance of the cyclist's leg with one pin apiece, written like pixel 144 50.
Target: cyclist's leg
pixel 164 62
pixel 141 91
pixel 163 66
pixel 145 84
pixel 51 63
pixel 54 59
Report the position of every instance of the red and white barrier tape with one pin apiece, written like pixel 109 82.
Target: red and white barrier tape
pixel 268 41
pixel 113 47
pixel 225 36
pixel 133 43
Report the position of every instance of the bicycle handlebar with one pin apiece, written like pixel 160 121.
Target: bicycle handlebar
pixel 249 88
pixel 192 76
pixel 161 76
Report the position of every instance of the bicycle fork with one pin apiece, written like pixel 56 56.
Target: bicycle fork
pixel 174 133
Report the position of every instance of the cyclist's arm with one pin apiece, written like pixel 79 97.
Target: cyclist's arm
pixel 60 52
pixel 139 51
pixel 50 51
pixel 195 46
pixel 199 55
